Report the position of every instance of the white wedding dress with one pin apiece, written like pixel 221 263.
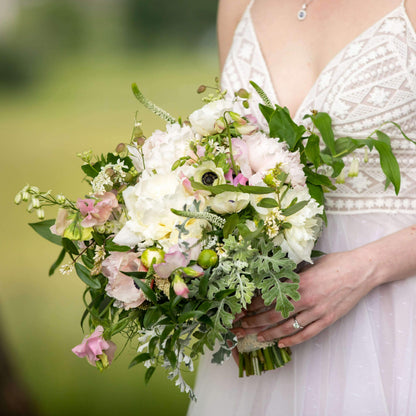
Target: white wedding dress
pixel 365 363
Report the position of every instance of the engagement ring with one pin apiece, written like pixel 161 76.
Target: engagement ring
pixel 296 324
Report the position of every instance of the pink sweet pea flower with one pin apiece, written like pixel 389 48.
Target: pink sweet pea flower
pixel 240 179
pixel 120 286
pixel 173 260
pixel 95 345
pixel 97 212
pixel 179 287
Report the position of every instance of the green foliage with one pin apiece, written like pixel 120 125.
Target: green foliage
pixel 273 274
pixel 43 229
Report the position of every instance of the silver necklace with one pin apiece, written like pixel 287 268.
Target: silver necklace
pixel 302 13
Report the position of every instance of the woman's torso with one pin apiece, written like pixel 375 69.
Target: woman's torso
pixel 371 80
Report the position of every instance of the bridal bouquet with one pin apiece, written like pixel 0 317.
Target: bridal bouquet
pixel 182 229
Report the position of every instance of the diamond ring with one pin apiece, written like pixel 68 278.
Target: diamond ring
pixel 296 324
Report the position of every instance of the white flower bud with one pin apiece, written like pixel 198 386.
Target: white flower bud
pixel 18 198
pixel 354 168
pixel 34 189
pixel 35 202
pixel 40 213
pixel 366 155
pixel 341 177
pixel 25 196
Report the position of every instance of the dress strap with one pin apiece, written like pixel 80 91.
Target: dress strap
pixel 403 3
pixel 252 2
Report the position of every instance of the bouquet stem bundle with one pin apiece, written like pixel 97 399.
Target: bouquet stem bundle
pixel 264 359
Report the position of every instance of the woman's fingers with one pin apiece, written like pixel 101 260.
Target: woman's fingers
pixel 286 328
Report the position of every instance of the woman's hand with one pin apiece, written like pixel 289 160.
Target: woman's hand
pixel 329 289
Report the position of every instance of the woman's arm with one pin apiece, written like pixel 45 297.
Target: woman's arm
pixel 333 286
pixel 229 14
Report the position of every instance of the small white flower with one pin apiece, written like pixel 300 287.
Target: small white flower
pixel 66 268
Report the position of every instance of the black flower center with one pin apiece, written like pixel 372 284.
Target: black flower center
pixel 208 178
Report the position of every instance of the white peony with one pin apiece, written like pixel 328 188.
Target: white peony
pixel 149 206
pixel 162 149
pixel 203 120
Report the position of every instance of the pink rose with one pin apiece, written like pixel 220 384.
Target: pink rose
pixel 120 286
pixel 95 345
pixel 97 212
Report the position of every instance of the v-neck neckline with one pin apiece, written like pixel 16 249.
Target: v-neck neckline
pixel 324 69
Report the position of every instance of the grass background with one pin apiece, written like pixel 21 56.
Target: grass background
pixel 83 101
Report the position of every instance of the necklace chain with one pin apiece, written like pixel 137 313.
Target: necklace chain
pixel 302 13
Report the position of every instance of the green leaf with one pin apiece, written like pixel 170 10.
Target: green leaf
pixel 312 151
pixel 57 262
pixel 389 164
pixel 219 189
pixel 230 224
pixel 150 295
pixel 282 126
pixel 89 263
pixel 43 229
pixel 111 246
pixel 190 315
pixel 323 123
pixel 344 146
pixel 318 179
pixel 266 111
pixel 69 246
pixel 84 274
pixel 145 356
pixel 316 193
pixel 90 170
pixel 383 137
pixel 139 275
pixel 268 203
pixel 294 208
pixel 119 326
pixel 151 317
pixel 203 285
pixel 224 294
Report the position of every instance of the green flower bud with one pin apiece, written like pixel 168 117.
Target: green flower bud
pixel 246 104
pixel 243 93
pixel 152 255
pixel 60 199
pixel 207 258
pixel 121 147
pixel 201 89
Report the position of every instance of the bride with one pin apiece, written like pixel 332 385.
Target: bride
pixel 353 333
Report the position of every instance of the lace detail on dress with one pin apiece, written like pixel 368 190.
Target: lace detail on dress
pixel 371 81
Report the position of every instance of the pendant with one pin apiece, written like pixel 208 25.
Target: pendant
pixel 302 13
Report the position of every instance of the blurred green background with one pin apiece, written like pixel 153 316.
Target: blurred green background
pixel 66 67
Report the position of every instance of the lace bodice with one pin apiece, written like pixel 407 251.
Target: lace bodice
pixel 370 81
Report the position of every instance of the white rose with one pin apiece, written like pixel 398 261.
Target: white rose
pixel 149 206
pixel 229 202
pixel 203 120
